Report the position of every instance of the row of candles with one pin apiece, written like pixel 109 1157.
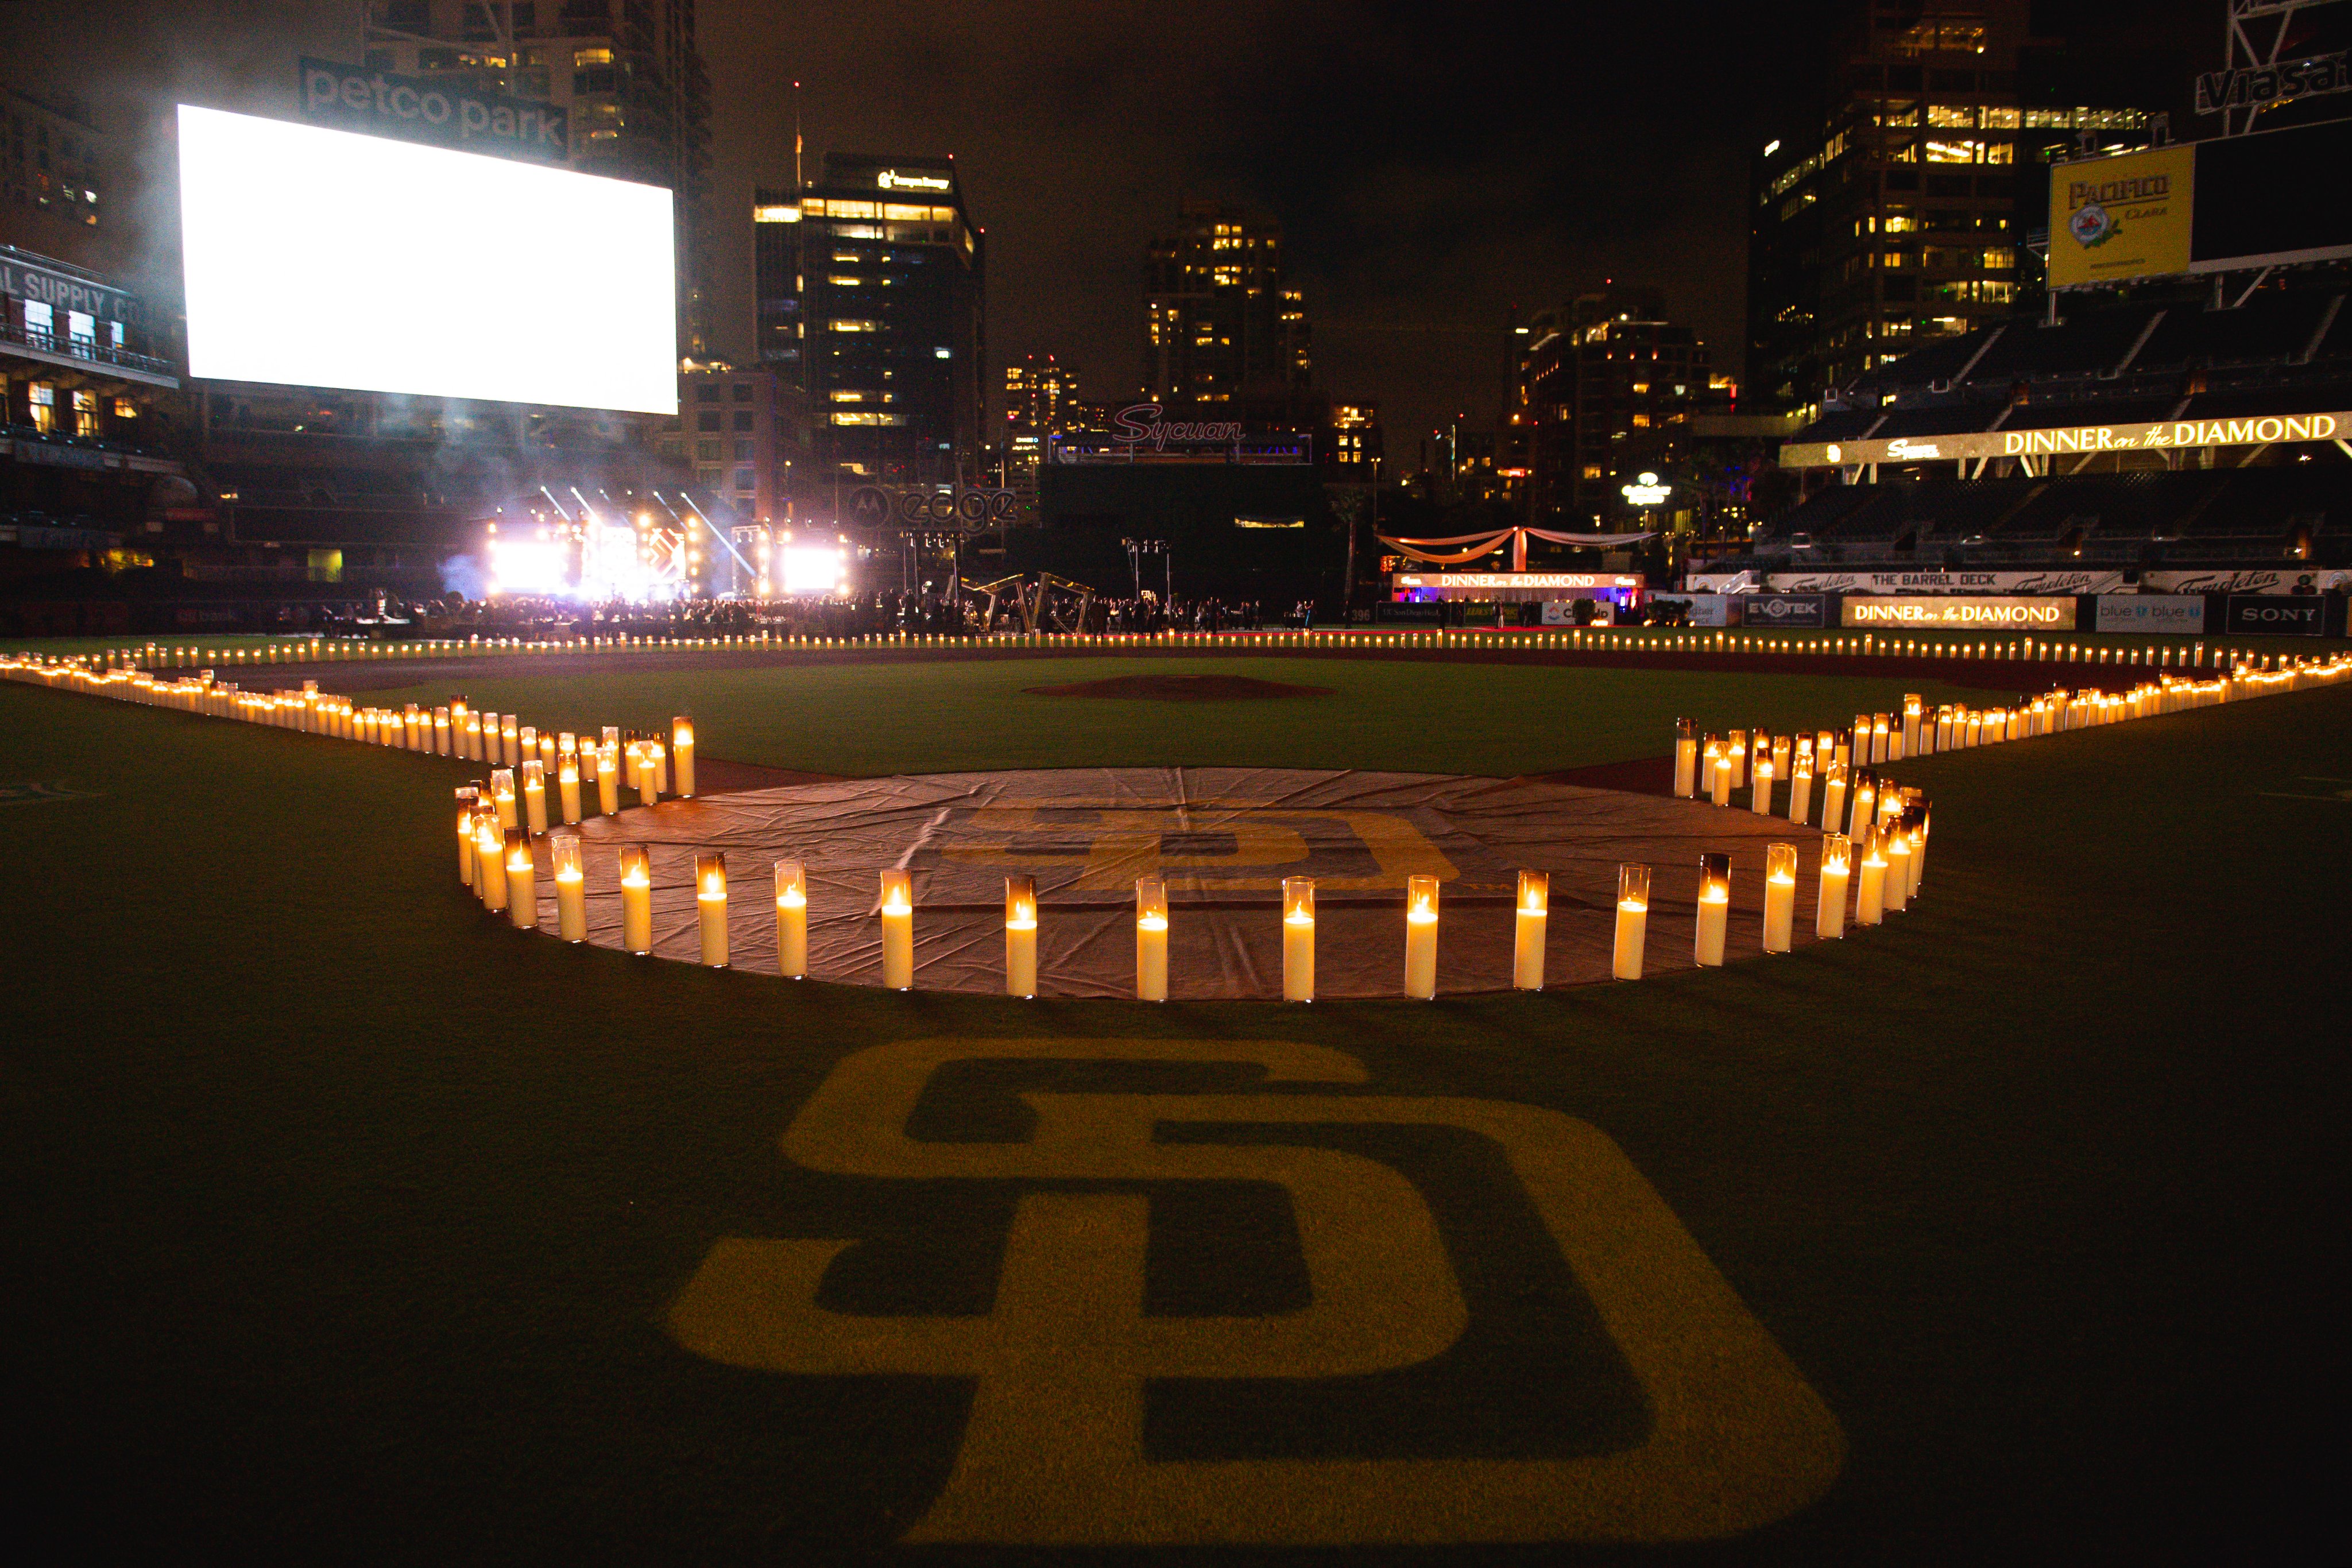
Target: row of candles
pixel 498 858
pixel 2195 655
pixel 1715 766
pixel 646 766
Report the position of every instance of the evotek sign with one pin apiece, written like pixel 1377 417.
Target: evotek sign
pixel 2264 87
pixel 422 109
pixel 2163 434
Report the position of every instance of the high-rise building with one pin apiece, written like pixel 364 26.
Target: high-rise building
pixel 54 194
pixel 871 289
pixel 1898 206
pixel 1219 322
pixel 627 72
pixel 1038 399
pixel 740 432
pixel 1589 375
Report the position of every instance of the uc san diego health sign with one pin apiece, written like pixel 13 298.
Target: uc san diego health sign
pixel 2160 436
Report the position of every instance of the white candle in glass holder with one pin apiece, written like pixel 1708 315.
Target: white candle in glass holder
pixel 1837 869
pixel 470 799
pixel 649 776
pixel 1633 921
pixel 490 859
pixel 534 796
pixel 509 731
pixel 636 899
pixel 502 798
pixel 1151 939
pixel 1734 757
pixel 1420 937
pixel 792 919
pixel 898 930
pixel 658 756
pixel 522 882
pixel 633 762
pixel 1833 788
pixel 567 787
pixel 1714 909
pixel 527 743
pixel 1760 799
pixel 1801 789
pixel 441 732
pixel 1297 939
pixel 710 905
pixel 1896 890
pixel 1780 896
pixel 1870 892
pixel 1020 936
pixel 1784 751
pixel 570 876
pixel 1718 772
pixel 1914 705
pixel 1865 802
pixel 1534 920
pixel 473 733
pixel 681 732
pixel 1686 760
pixel 608 781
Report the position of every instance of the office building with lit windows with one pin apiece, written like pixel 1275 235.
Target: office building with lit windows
pixel 1219 320
pixel 871 285
pixel 628 75
pixel 741 433
pixel 1040 399
pixel 1899 206
pixel 1592 375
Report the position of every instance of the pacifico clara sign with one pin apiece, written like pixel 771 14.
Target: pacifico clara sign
pixel 2160 436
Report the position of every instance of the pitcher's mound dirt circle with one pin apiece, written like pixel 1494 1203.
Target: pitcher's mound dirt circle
pixel 1181 688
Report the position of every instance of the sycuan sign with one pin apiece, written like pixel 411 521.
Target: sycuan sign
pixel 2160 436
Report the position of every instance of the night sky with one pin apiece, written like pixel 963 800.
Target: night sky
pixel 1434 167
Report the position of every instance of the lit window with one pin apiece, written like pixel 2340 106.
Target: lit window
pixel 870 419
pixel 844 281
pixel 1900 224
pixel 839 326
pixel 582 59
pixel 941 354
pixel 1962 115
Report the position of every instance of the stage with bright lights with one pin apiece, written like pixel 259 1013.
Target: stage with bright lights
pixel 1224 839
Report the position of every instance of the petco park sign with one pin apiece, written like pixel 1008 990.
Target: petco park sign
pixel 2163 434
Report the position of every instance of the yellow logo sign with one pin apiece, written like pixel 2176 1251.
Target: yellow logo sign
pixel 1053 1451
pixel 2124 216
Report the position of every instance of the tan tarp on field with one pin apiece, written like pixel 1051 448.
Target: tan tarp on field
pixel 1224 838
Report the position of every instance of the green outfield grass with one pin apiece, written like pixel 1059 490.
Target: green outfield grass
pixel 342 1219
pixel 1406 715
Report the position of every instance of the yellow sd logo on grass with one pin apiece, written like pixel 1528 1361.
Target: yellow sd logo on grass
pixel 1054 1452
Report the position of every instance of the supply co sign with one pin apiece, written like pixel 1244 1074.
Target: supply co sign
pixel 1944 613
pixel 440 111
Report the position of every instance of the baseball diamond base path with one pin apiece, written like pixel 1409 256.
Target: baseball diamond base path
pixel 1224 838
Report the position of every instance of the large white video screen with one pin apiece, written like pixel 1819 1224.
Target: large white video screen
pixel 321 258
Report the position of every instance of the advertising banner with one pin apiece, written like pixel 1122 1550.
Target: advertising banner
pixel 2283 581
pixel 1718 581
pixel 441 111
pixel 2276 615
pixel 1706 609
pixel 2124 216
pixel 2157 436
pixel 1956 614
pixel 2162 614
pixel 1804 610
pixel 1944 581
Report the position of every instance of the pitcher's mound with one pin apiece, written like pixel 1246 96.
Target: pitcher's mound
pixel 1181 688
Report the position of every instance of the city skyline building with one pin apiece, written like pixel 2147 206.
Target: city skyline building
pixel 1220 321
pixel 1039 399
pixel 1591 375
pixel 1901 205
pixel 629 76
pixel 871 291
